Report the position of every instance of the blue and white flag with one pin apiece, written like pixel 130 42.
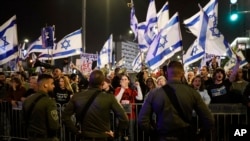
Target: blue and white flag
pixel 163 17
pixel 105 55
pixel 133 21
pixel 161 20
pixel 211 9
pixel 137 62
pixel 70 45
pixel 210 38
pixel 193 54
pixel 36 46
pixel 232 61
pixel 20 55
pixel 151 23
pixel 142 44
pixel 166 44
pixel 120 62
pixel 8 41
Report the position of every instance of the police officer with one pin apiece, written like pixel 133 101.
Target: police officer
pixel 40 112
pixel 170 123
pixel 96 120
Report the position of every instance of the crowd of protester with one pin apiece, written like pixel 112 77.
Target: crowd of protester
pixel 214 85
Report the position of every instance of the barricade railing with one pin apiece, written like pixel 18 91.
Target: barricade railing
pixel 226 115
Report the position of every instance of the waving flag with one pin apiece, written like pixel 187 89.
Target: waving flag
pixel 232 61
pixel 151 23
pixel 211 9
pixel 193 54
pixel 142 44
pixel 20 55
pixel 163 16
pixel 36 46
pixel 210 38
pixel 133 20
pixel 165 44
pixel 155 25
pixel 8 41
pixel 120 62
pixel 137 62
pixel 69 45
pixel 105 56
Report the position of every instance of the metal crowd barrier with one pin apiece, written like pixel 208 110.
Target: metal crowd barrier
pixel 226 115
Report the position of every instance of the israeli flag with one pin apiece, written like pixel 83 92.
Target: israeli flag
pixel 137 62
pixel 105 55
pixel 210 38
pixel 163 16
pixel 211 9
pixel 69 45
pixel 151 23
pixel 166 43
pixel 142 44
pixel 20 56
pixel 133 22
pixel 232 61
pixel 120 62
pixel 8 41
pixel 36 46
pixel 193 54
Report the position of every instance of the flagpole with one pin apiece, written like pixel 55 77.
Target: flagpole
pixel 84 25
pixel 181 39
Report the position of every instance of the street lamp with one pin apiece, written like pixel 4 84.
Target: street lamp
pixel 26 40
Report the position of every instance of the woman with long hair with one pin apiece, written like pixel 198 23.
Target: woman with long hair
pixel 198 84
pixel 126 95
pixel 64 92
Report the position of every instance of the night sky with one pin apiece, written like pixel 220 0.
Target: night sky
pixel 103 17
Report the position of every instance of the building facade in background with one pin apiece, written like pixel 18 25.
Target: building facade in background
pixel 126 50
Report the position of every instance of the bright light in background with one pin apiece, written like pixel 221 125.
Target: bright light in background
pixel 130 32
pixel 233 1
pixel 233 16
pixel 26 40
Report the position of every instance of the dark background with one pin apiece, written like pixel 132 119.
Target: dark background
pixel 104 17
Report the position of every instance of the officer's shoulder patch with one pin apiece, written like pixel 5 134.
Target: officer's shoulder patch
pixel 54 114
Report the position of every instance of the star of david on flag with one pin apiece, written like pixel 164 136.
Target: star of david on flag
pixel 209 37
pixel 8 41
pixel 65 44
pixel 151 23
pixel 161 48
pixel 192 23
pixel 70 45
pixel 193 54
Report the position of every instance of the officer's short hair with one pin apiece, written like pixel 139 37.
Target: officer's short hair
pixel 96 78
pixel 175 67
pixel 44 77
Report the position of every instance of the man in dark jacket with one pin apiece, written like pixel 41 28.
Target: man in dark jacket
pixel 40 112
pixel 96 120
pixel 170 124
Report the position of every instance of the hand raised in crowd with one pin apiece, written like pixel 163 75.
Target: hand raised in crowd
pixel 137 83
pixel 110 133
